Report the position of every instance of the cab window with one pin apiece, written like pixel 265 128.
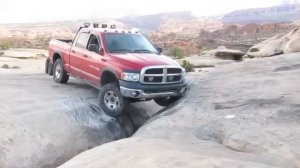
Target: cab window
pixel 94 40
pixel 82 40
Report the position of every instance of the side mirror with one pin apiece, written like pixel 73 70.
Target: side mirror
pixel 159 49
pixel 93 48
pixel 101 52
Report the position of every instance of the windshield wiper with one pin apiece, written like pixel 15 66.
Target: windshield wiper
pixel 143 51
pixel 120 50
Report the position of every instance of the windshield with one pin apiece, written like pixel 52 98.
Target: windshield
pixel 124 43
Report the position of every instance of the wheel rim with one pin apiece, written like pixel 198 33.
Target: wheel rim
pixel 111 100
pixel 58 71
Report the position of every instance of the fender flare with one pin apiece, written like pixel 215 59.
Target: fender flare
pixel 108 69
pixel 60 55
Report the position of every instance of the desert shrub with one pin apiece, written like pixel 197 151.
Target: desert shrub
pixel 187 66
pixel 204 48
pixel 177 52
pixel 5 44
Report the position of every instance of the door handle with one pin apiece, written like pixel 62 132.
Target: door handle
pixel 85 56
pixel 73 51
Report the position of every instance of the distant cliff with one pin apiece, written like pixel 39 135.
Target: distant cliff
pixel 282 13
pixel 150 23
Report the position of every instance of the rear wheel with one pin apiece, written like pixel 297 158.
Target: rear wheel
pixel 111 100
pixel 59 73
pixel 48 67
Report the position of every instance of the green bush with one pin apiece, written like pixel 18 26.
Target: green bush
pixel 177 52
pixel 5 44
pixel 187 66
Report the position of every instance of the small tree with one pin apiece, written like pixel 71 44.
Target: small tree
pixel 177 52
pixel 187 66
pixel 5 44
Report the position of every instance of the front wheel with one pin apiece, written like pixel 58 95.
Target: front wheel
pixel 111 100
pixel 165 101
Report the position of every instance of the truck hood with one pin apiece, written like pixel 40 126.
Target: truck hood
pixel 137 61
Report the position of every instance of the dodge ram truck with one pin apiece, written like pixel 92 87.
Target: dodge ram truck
pixel 122 64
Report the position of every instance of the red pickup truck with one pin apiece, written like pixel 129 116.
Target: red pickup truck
pixel 122 64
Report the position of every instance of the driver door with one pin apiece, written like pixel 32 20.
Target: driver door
pixel 76 54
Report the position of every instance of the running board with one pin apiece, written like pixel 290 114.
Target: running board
pixel 85 81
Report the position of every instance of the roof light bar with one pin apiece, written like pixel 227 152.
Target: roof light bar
pixel 112 26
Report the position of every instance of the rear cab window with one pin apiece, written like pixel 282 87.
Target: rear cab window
pixel 82 40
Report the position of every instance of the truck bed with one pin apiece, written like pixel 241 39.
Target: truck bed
pixel 62 47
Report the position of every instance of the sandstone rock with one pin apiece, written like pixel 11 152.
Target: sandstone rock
pixel 264 133
pixel 221 48
pixel 224 53
pixel 279 44
pixel 230 54
pixel 5 66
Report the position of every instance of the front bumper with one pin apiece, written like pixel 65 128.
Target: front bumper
pixel 140 91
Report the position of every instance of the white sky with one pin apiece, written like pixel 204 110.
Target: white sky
pixel 59 10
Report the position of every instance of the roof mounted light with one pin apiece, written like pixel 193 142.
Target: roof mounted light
pixel 136 30
pixel 113 26
pixel 104 26
pixel 96 25
pixel 87 25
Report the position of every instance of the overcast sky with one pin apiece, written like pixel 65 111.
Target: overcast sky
pixel 58 10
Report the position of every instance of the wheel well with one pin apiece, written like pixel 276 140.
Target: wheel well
pixel 108 77
pixel 55 57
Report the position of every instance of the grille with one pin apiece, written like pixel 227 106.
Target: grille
pixel 161 75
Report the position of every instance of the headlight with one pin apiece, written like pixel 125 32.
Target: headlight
pixel 130 76
pixel 183 74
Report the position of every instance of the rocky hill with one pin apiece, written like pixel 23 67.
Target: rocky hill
pixel 150 23
pixel 234 36
pixel 190 27
pixel 38 35
pixel 282 13
pixel 35 35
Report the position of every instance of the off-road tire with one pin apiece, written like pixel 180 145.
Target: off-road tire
pixel 165 101
pixel 59 73
pixel 47 65
pixel 50 69
pixel 111 107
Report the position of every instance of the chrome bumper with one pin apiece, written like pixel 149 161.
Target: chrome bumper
pixel 140 94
